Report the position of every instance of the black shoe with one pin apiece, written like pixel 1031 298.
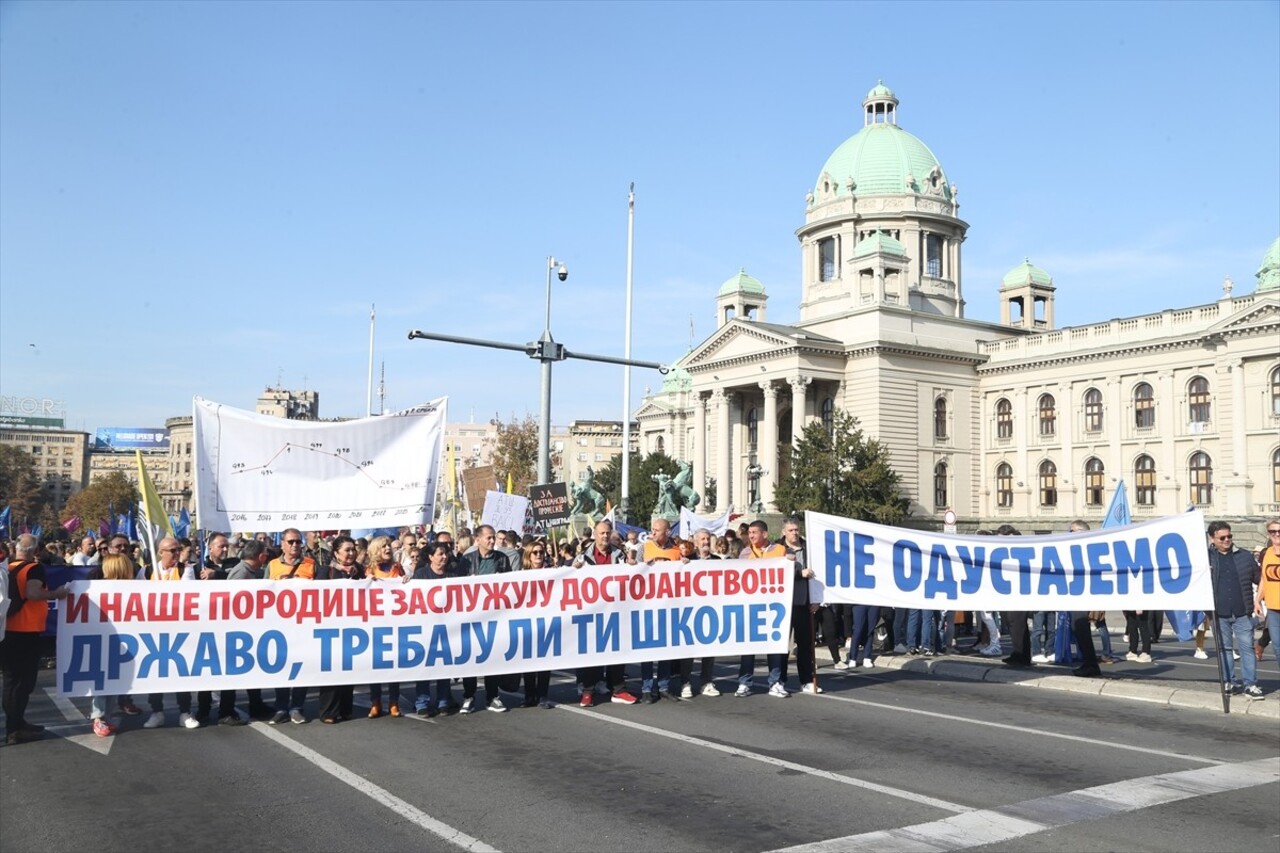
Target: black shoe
pixel 667 694
pixel 649 698
pixel 31 727
pixel 24 736
pixel 423 712
pixel 261 712
pixel 230 720
pixel 530 701
pixel 1088 670
pixel 1017 660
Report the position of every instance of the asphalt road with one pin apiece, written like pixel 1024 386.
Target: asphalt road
pixel 884 760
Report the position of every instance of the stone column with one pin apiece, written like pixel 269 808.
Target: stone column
pixel 734 441
pixel 1170 470
pixel 799 405
pixel 721 401
pixel 698 453
pixel 769 443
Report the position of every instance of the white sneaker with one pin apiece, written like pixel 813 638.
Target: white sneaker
pixel 1050 658
pixel 992 651
pixel 468 705
pixel 842 664
pixel 867 664
pixel 495 705
pixel 1235 655
pixel 743 690
pixel 1144 658
pixel 1131 656
pixel 155 721
pixel 710 689
pixel 776 689
pixel 188 722
pixel 1201 654
pixel 1039 658
pixel 686 692
pixel 807 687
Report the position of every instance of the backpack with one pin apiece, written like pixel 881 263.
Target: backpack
pixel 16 599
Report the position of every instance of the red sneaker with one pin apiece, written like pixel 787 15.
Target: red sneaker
pixel 586 700
pixel 129 708
pixel 102 728
pixel 624 697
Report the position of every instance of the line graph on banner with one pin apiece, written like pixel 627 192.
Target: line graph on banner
pixel 341 453
pixel 263 473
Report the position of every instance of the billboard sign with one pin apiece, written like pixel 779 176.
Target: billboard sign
pixel 130 438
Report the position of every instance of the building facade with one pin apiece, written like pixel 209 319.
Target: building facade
pixel 61 459
pixel 1016 421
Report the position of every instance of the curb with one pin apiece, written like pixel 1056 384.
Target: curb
pixel 1174 695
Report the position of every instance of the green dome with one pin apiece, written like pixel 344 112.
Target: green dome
pixel 1269 273
pixel 742 283
pixel 882 243
pixel 677 379
pixel 879 158
pixel 1026 273
pixel 881 92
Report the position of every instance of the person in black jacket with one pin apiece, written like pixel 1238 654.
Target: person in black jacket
pixel 435 563
pixel 484 560
pixel 1234 573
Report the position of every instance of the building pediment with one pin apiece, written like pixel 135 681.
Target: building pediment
pixel 1257 315
pixel 653 408
pixel 740 339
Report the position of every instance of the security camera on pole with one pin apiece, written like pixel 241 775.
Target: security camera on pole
pixel 548 351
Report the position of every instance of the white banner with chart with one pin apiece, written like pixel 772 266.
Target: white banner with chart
pixel 262 473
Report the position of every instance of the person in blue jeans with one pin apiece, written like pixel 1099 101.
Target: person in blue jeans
pixel 1234 573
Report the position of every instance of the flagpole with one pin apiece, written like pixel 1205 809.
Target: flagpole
pixel 625 501
pixel 368 405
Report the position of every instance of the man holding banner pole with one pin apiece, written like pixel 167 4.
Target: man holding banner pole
pixel 760 548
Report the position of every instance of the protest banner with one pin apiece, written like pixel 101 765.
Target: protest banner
pixel 263 473
pixel 1158 565
pixel 475 482
pixel 504 511
pixel 125 637
pixel 550 505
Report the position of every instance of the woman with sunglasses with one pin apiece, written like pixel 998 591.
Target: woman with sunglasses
pixel 381 566
pixel 536 684
pixel 337 700
pixel 1269 587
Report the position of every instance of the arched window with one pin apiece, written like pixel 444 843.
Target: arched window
pixel 940 486
pixel 1201 471
pixel 660 445
pixel 1094 481
pixel 1004 418
pixel 940 418
pixel 1198 400
pixel 1275 476
pixel 828 411
pixel 753 427
pixel 1004 485
pixel 1144 481
pixel 1093 410
pixel 1048 484
pixel 1144 406
pixel 1048 415
pixel 1275 392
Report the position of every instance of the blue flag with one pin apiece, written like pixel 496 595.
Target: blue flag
pixel 4 519
pixel 1118 513
pixel 36 531
pixel 182 527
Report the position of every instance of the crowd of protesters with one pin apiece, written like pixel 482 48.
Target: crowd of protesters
pixel 1246 586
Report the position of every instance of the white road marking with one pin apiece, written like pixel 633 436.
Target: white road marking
pixel 993 826
pixel 65 706
pixel 381 796
pixel 1093 742
pixel 933 802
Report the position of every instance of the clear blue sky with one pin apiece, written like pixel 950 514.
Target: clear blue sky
pixel 200 198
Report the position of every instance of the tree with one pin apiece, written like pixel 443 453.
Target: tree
pixel 644 489
pixel 20 486
pixel 516 454
pixel 95 501
pixel 843 473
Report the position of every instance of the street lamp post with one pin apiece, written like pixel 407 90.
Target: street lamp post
pixel 547 354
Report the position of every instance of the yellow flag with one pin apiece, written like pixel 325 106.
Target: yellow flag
pixel 453 474
pixel 153 522
pixel 510 488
